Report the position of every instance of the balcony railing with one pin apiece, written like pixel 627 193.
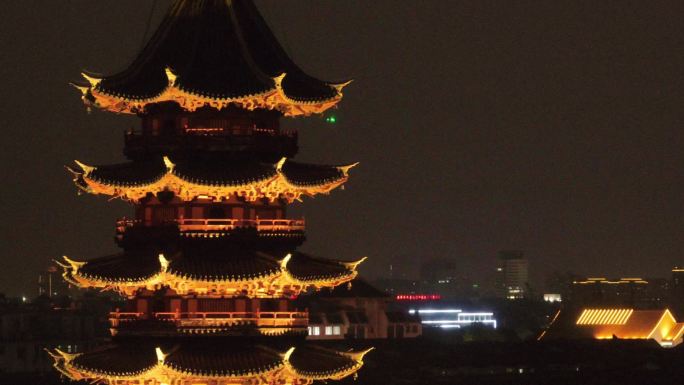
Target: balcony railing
pixel 210 319
pixel 213 138
pixel 219 225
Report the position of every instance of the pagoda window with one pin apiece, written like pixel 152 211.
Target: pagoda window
pixel 262 125
pixel 216 305
pixel 164 214
pixel 217 212
pixel 197 212
pixel 192 305
pixel 238 212
pixel 142 305
pixel 175 305
pixel 155 127
pixel 168 127
pixel 240 305
pixel 273 305
pixel 148 215
pixel 158 305
pixel 266 213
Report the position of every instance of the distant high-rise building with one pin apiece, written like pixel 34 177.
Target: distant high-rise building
pixel 676 300
pixel 678 281
pixel 638 293
pixel 51 284
pixel 512 274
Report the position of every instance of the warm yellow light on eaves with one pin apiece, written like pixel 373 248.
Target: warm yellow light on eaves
pixel 272 188
pixel 283 372
pixel 272 99
pixel 274 284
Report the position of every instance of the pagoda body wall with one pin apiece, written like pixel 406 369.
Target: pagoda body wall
pixel 168 130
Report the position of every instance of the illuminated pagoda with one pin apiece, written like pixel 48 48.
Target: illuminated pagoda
pixel 209 262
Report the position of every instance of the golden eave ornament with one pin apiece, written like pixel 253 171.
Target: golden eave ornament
pixel 190 100
pixel 273 187
pixel 162 372
pixel 275 284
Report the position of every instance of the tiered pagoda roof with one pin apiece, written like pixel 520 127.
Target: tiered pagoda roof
pixel 249 273
pixel 220 179
pixel 213 53
pixel 210 86
pixel 207 361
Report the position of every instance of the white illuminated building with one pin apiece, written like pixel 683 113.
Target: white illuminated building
pixel 453 318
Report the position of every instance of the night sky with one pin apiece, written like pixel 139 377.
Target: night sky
pixel 547 126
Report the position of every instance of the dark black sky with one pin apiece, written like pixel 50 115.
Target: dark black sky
pixel 554 127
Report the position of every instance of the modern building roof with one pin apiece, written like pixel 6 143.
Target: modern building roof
pixel 188 179
pixel 621 323
pixel 402 317
pixel 606 281
pixel 216 53
pixel 230 270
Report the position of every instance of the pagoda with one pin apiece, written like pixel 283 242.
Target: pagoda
pixel 209 263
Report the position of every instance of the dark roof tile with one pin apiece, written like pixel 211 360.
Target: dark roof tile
pixel 301 174
pixel 124 359
pixel 215 48
pixel 134 266
pixel 215 173
pixel 209 265
pixel 215 357
pixel 305 267
pixel 359 289
pixel 315 361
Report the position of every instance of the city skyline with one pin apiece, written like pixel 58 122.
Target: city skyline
pixel 552 129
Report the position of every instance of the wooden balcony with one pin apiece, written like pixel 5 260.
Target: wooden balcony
pixel 261 319
pixel 221 225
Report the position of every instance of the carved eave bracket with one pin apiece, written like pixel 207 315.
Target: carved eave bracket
pixel 95 95
pixel 273 187
pixel 274 284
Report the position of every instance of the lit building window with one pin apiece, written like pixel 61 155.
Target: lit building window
pixel 454 318
pixel 336 330
pixel 552 297
pixel 328 330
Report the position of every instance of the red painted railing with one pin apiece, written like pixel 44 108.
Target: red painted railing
pixel 277 319
pixel 195 225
